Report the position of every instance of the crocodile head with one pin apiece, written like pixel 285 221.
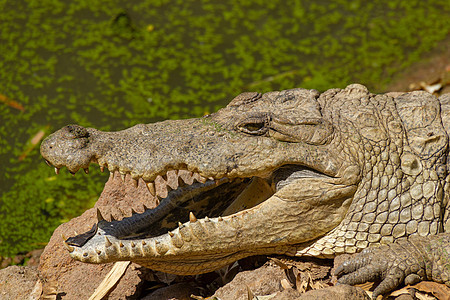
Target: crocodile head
pixel 285 172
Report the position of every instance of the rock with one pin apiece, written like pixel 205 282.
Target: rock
pixel 265 280
pixel 76 280
pixel 17 282
pixel 287 294
pixel 337 292
pixel 34 257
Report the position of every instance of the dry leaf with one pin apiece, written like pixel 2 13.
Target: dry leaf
pixel 11 103
pixel 422 296
pixel 285 284
pixel 249 293
pixel 37 291
pixel 110 280
pixel 440 291
pixel 367 286
pixel 279 263
pixel 49 290
pixel 431 88
pixel 401 292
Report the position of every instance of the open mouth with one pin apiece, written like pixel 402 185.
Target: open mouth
pixel 194 199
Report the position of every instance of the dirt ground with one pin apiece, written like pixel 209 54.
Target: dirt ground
pixel 433 71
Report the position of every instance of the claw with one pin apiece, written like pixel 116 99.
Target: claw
pixel 86 170
pixel 57 171
pixel 48 163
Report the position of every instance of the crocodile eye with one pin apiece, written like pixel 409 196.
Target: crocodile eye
pixel 257 126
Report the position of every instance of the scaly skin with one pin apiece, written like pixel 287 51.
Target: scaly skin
pixel 292 172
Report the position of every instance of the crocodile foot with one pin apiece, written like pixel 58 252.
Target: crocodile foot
pixel 393 264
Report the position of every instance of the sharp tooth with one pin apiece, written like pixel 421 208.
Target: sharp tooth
pixel 63 237
pixel 220 218
pixel 206 219
pixel 210 178
pixel 107 242
pixel 180 224
pixel 68 247
pixel 132 244
pixel 102 169
pixel 144 243
pixel 151 188
pixel 98 251
pixel 99 216
pixel 158 200
pixel 121 244
pixel 171 233
pixel 122 175
pixel 56 170
pixel 86 170
pixel 192 218
pixel 76 233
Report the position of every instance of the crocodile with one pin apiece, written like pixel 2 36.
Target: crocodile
pixel 293 172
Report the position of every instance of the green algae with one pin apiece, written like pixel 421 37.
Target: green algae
pixel 113 64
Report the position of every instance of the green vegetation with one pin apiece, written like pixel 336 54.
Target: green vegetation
pixel 111 64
